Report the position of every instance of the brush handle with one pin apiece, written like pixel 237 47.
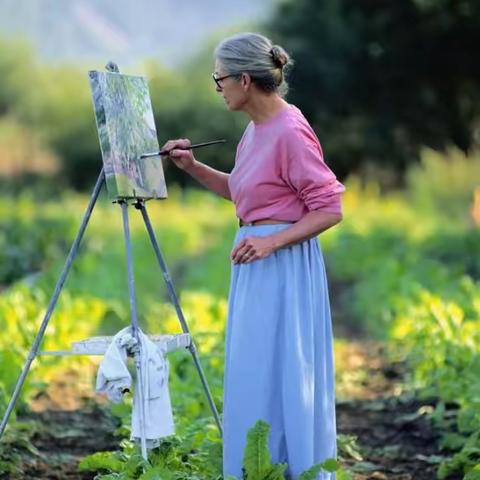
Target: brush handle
pixel 197 145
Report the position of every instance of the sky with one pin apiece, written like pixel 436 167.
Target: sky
pixel 123 30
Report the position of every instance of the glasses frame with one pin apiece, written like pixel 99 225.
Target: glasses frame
pixel 217 80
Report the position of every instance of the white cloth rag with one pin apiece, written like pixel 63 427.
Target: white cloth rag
pixel 113 378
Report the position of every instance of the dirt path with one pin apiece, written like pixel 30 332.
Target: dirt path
pixel 69 423
pixel 396 440
pixel 66 438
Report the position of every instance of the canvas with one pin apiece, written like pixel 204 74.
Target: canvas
pixel 126 130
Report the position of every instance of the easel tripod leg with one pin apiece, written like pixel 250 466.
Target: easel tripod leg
pixel 173 298
pixel 53 301
pixel 133 309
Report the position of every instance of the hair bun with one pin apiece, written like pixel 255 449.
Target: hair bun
pixel 279 56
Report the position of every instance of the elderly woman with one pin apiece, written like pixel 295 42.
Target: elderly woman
pixel 278 355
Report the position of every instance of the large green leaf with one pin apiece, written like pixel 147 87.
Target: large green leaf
pixel 256 460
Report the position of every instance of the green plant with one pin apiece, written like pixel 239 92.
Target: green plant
pixel 197 455
pixel 257 463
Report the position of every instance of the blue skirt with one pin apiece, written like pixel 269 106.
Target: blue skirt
pixel 279 357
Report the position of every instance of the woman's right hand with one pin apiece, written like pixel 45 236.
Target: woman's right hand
pixel 182 158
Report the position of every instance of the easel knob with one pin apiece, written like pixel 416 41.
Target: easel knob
pixel 112 67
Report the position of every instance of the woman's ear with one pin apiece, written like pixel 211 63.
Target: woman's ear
pixel 246 81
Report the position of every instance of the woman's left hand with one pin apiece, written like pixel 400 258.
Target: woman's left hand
pixel 252 248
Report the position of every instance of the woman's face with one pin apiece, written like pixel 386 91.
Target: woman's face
pixel 234 91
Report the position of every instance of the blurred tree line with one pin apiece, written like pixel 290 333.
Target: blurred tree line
pixel 380 80
pixel 377 80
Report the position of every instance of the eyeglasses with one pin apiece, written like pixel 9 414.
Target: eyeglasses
pixel 217 80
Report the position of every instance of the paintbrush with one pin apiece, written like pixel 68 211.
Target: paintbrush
pixel 166 152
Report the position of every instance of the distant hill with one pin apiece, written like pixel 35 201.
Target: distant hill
pixel 127 31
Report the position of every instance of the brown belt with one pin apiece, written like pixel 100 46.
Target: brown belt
pixel 261 222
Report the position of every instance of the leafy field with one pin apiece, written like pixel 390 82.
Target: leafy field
pixel 403 267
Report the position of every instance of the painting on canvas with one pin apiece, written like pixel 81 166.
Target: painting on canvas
pixel 126 130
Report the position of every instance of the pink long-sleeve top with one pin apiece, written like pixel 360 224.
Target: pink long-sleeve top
pixel 280 173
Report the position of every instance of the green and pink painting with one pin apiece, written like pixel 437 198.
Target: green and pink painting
pixel 126 130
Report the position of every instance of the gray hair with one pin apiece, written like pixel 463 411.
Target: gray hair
pixel 255 54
